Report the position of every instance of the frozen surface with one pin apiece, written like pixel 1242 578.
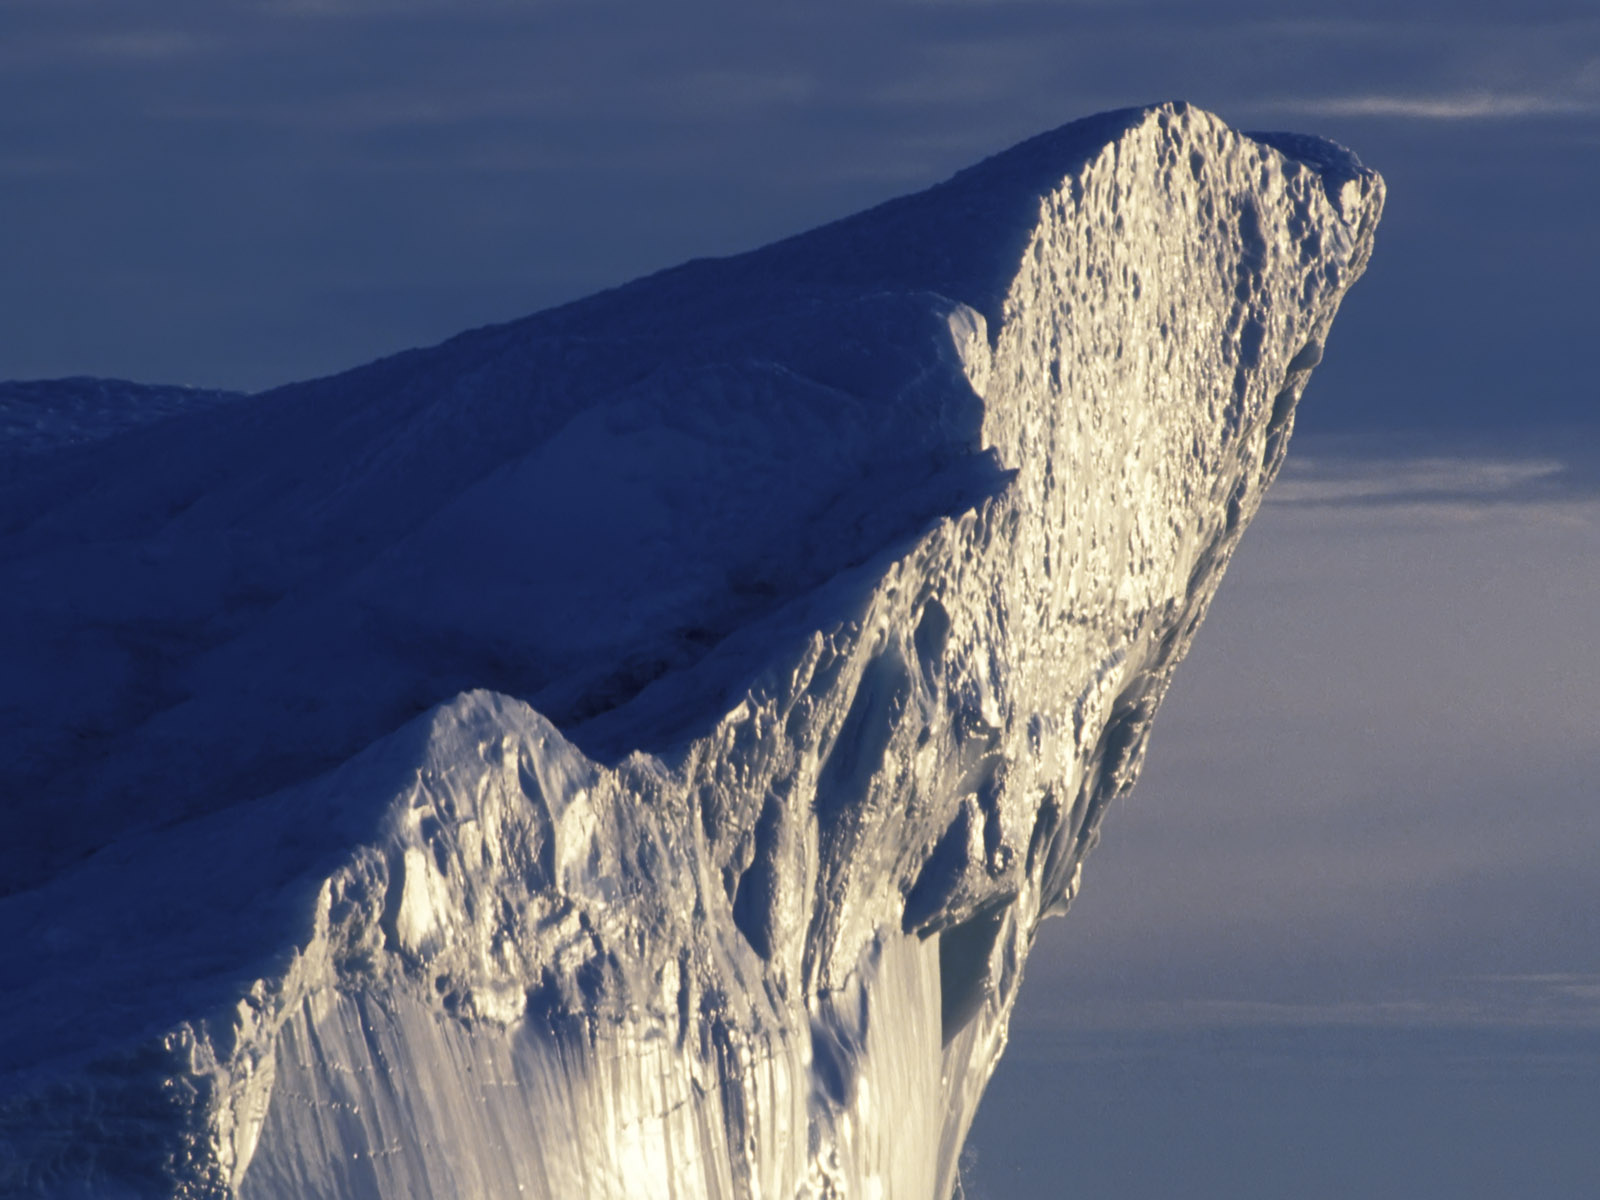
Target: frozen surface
pixel 38 417
pixel 628 752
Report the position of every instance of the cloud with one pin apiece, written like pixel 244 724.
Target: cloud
pixel 1464 106
pixel 1555 1001
pixel 1418 480
pixel 148 46
pixel 26 51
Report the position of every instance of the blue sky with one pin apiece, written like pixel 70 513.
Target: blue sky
pixel 1367 818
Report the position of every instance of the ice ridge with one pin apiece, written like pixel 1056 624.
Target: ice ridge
pixel 629 751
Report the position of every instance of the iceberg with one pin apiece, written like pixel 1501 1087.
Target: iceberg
pixel 628 752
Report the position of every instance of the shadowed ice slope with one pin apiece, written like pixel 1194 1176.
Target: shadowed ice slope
pixel 628 751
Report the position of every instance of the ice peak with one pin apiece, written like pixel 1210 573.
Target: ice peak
pixel 628 751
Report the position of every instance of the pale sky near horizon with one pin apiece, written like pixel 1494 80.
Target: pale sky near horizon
pixel 1369 801
pixel 1341 939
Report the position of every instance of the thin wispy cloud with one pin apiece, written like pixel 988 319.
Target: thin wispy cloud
pixel 151 46
pixel 1551 1001
pixel 54 49
pixel 1469 106
pixel 1435 478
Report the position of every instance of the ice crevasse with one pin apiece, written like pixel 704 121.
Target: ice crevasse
pixel 629 752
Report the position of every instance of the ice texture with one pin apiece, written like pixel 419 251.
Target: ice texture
pixel 40 416
pixel 628 752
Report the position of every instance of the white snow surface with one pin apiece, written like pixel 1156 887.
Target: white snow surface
pixel 628 752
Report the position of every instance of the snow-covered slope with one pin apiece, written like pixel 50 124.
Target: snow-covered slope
pixel 628 752
pixel 40 416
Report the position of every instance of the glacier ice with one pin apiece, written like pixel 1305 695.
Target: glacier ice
pixel 39 416
pixel 629 751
